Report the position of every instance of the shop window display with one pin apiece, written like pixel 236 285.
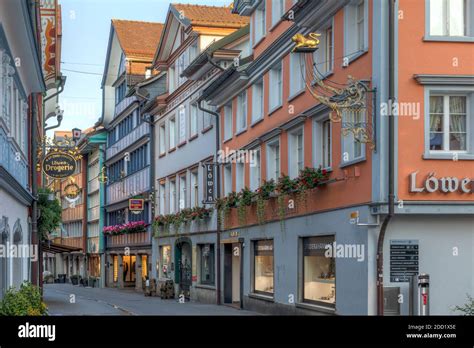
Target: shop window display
pixel 263 263
pixel 165 268
pixel 319 271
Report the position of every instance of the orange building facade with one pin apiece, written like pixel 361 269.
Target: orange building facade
pixel 269 113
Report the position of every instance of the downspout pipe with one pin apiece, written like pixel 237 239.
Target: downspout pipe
pixel 218 194
pixel 391 158
pixel 35 239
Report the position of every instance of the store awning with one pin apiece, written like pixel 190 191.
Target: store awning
pixel 55 248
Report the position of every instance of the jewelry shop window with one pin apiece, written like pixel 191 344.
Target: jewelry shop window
pixel 263 267
pixel 165 258
pixel 207 264
pixel 319 271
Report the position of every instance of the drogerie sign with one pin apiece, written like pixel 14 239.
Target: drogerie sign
pixel 447 184
pixel 59 165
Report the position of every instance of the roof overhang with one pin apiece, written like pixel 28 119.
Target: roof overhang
pixel 55 248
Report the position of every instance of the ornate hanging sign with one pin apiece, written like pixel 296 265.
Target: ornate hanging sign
pixel 59 165
pixel 350 103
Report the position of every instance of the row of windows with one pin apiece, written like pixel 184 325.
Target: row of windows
pixel 183 125
pixel 174 72
pixel 275 96
pixel 124 127
pixel 120 92
pixel 322 133
pixel 138 159
pixel 318 280
pixel 179 192
pixel 205 259
pixel 122 216
pixel 116 171
pixel 13 107
pixel 73 229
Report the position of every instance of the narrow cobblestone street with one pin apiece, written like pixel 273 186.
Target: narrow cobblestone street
pixel 107 301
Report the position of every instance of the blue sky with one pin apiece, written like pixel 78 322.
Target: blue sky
pixel 86 26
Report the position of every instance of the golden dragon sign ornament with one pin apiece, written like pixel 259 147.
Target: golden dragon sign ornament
pixel 352 99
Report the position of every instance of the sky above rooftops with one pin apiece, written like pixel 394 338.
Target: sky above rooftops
pixel 86 26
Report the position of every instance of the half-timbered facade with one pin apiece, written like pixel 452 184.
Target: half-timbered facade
pixel 127 155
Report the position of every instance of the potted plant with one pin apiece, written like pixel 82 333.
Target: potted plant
pixel 75 278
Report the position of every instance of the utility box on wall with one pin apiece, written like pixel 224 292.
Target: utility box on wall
pixel 390 297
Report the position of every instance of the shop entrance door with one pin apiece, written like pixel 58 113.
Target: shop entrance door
pixel 129 274
pixel 232 274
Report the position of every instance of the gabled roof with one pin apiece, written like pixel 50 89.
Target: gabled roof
pixel 205 55
pixel 211 16
pixel 138 40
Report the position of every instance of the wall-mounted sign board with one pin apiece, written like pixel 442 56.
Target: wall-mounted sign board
pixel 59 165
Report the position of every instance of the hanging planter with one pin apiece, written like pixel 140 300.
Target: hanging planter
pixel 130 227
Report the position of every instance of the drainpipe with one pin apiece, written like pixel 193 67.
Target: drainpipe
pixel 35 269
pixel 391 157
pixel 218 194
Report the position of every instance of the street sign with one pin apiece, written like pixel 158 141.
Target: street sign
pixel 404 258
pixel 209 196
pixel 136 204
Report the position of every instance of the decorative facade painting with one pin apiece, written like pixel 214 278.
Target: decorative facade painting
pixel 48 11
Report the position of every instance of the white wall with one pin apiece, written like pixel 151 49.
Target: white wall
pixel 451 276
pixel 14 210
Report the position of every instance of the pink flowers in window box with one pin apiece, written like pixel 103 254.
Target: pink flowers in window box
pixel 130 227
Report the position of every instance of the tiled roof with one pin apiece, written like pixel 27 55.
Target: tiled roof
pixel 138 39
pixel 211 16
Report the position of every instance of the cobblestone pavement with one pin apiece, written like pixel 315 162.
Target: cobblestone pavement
pixel 108 301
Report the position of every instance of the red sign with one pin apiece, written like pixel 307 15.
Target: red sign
pixel 135 204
